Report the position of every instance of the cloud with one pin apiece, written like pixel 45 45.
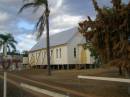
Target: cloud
pixel 3 16
pixel 64 14
pixel 27 41
pixel 55 5
pixel 65 21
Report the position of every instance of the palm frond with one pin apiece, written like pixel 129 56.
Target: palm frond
pixel 41 19
pixel 9 40
pixel 13 46
pixel 3 36
pixel 26 6
pixel 1 44
pixel 12 40
pixel 40 26
pixel 40 2
pixel 41 22
pixel 8 47
pixel 34 3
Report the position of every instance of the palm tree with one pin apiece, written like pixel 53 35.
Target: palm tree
pixel 7 41
pixel 43 20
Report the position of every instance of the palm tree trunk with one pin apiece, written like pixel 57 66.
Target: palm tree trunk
pixel 5 51
pixel 48 40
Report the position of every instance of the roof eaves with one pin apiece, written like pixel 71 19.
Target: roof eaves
pixel 45 48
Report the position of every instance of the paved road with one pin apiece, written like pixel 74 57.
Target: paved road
pixel 17 82
pixel 61 90
pixel 14 79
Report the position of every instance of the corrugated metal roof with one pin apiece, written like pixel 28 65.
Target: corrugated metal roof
pixel 56 39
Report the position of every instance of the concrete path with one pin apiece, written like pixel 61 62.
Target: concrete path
pixel 17 84
pixel 105 79
pixel 60 90
pixel 63 90
pixel 40 90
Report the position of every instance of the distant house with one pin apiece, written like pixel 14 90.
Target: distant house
pixel 15 61
pixel 66 51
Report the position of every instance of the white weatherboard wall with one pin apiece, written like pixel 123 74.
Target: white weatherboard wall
pixel 88 57
pixel 74 44
pixel 39 57
pixel 64 57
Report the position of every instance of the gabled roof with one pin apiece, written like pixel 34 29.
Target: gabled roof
pixel 56 39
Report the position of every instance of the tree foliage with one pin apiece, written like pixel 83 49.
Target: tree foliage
pixel 7 39
pixel 43 20
pixel 25 53
pixel 94 54
pixel 7 42
pixel 109 32
pixel 36 4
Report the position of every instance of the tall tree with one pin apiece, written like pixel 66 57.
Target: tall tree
pixel 109 33
pixel 43 20
pixel 7 41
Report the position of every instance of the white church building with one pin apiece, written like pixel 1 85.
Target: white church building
pixel 66 51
